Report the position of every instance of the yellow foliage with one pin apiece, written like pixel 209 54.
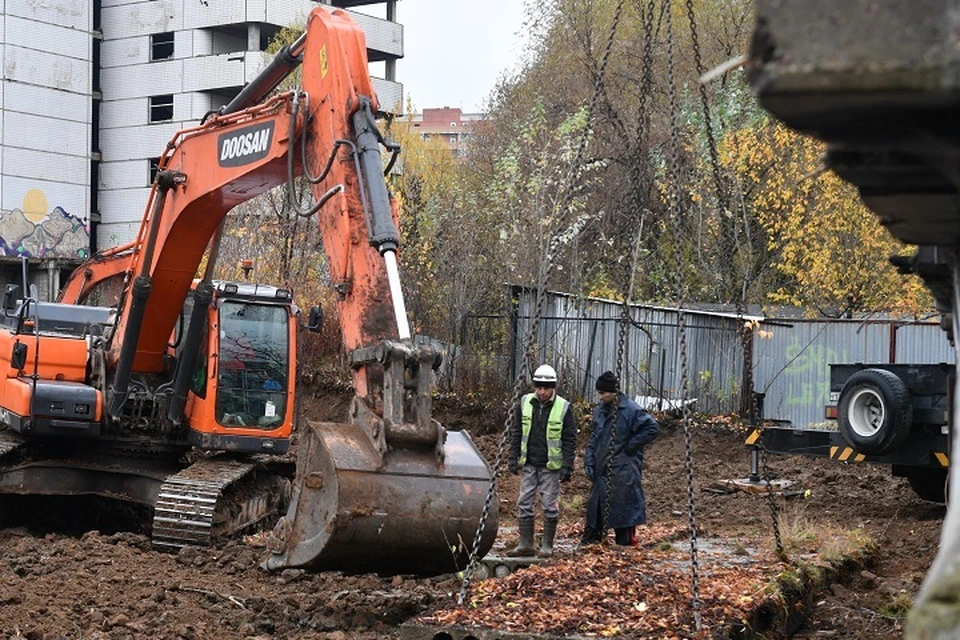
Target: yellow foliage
pixel 830 249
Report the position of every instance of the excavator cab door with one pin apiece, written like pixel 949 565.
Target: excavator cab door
pixel 254 363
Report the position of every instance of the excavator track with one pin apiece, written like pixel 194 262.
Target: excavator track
pixel 213 499
pixel 9 442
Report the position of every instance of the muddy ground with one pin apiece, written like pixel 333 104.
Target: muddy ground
pixel 62 578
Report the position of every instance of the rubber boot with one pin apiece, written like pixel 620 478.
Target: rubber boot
pixel 549 532
pixel 525 548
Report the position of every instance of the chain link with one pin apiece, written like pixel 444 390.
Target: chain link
pixel 492 489
pixel 723 197
pixel 642 136
pixel 546 267
pixel 705 104
pixel 674 215
pixel 771 502
pixel 756 422
pixel 612 442
pixel 748 335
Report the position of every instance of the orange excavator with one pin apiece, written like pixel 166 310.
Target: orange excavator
pixel 143 383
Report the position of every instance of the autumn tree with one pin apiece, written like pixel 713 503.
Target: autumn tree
pixel 830 252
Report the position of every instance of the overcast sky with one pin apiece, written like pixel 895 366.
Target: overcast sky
pixel 455 50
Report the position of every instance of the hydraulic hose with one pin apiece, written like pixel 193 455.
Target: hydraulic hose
pixel 202 297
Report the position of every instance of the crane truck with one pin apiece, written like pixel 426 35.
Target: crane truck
pixel 180 394
pixel 880 413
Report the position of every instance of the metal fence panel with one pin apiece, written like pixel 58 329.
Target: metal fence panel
pixel 791 357
pixel 924 344
pixel 580 337
pixel 792 363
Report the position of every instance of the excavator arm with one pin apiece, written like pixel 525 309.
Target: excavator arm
pixel 325 131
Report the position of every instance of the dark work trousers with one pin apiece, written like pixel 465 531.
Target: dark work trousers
pixel 624 536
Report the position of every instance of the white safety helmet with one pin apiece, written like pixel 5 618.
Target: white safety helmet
pixel 545 376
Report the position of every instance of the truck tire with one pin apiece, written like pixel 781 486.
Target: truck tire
pixel 875 411
pixel 929 484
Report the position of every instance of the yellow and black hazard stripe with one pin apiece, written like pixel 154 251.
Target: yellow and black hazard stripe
pixel 753 437
pixel 846 454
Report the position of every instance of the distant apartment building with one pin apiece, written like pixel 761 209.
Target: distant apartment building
pixel 92 90
pixel 447 123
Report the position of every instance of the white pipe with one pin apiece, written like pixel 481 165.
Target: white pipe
pixel 396 293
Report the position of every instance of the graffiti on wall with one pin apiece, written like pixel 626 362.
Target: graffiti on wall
pixel 36 231
pixel 808 374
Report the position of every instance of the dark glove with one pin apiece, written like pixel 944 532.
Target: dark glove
pixel 589 472
pixel 565 475
pixel 514 467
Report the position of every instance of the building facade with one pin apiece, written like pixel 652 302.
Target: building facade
pixel 92 90
pixel 450 124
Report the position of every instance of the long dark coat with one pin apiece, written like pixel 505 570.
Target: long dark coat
pixel 635 429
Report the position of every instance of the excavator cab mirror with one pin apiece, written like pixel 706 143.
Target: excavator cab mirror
pixel 18 356
pixel 11 293
pixel 315 321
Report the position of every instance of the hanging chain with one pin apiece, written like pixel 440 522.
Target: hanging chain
pixel 674 217
pixel 705 104
pixel 508 424
pixel 641 156
pixel 771 502
pixel 492 489
pixel 592 106
pixel 611 451
pixel 612 442
pixel 546 267
pixel 756 420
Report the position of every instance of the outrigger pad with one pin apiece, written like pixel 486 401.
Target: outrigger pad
pixel 412 514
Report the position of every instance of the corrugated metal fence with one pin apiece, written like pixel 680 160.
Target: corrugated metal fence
pixel 791 363
pixel 580 338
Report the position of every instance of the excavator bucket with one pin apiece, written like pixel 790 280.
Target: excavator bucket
pixel 410 509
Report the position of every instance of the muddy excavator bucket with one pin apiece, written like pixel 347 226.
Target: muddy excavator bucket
pixel 361 506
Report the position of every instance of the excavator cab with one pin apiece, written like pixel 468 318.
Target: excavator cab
pixel 242 391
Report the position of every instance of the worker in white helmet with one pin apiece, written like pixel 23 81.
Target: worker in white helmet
pixel 543 448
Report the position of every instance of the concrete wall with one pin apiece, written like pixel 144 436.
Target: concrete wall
pixel 45 129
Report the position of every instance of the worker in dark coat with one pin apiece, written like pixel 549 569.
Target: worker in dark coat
pixel 621 466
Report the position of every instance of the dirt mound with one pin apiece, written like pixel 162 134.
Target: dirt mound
pixel 98 585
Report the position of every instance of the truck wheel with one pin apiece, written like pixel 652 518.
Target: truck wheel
pixel 929 484
pixel 875 411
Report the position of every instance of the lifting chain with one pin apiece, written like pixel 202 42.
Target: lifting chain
pixel 642 136
pixel 546 267
pixel 756 422
pixel 705 104
pixel 675 223
pixel 747 337
pixel 771 502
pixel 611 450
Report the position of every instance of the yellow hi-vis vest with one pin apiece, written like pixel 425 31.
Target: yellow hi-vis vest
pixel 554 430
